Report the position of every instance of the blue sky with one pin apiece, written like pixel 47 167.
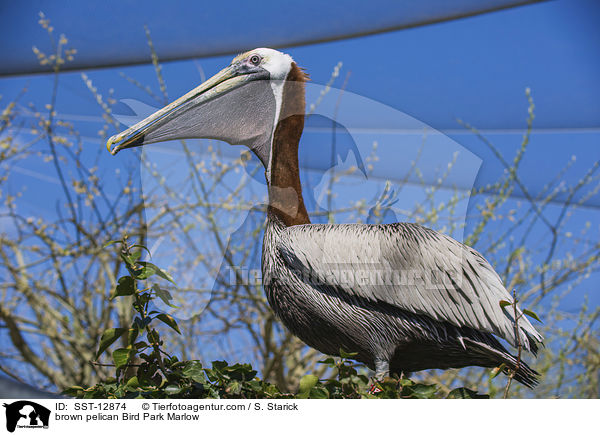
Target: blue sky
pixel 475 69
pixel 435 73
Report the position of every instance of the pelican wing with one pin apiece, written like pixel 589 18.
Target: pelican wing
pixel 407 266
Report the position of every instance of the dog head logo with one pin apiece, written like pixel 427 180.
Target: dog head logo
pixel 26 414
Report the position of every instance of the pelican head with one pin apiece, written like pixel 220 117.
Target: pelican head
pixel 241 105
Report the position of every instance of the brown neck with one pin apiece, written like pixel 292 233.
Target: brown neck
pixel 285 191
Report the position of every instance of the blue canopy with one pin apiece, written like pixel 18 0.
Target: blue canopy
pixel 184 30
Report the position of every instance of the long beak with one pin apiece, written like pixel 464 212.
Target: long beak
pixel 217 85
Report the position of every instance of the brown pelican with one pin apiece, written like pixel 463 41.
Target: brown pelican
pixel 403 297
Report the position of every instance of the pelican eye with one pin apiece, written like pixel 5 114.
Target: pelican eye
pixel 255 60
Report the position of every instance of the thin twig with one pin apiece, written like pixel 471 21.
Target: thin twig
pixel 514 371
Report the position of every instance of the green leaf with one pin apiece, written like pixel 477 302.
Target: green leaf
pixel 133 382
pixel 330 361
pixel 532 315
pixel 422 391
pixel 153 336
pixel 109 337
pixel 319 392
pixel 132 334
pixel 143 273
pixel 144 248
pixel 141 345
pixel 404 382
pixel 307 383
pixel 346 355
pixel 169 320
pixel 234 387
pixel 128 260
pixel 497 370
pixel 240 372
pixel 172 389
pixel 195 371
pixel 219 365
pixel 135 256
pixel 141 324
pixel 122 356
pixel 164 295
pixel 149 269
pixel 112 242
pixel 255 385
pixel 125 287
pixel 98 392
pixel 72 391
pixel 504 304
pixel 465 393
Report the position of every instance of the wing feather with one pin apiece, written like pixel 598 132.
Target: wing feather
pixel 408 266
